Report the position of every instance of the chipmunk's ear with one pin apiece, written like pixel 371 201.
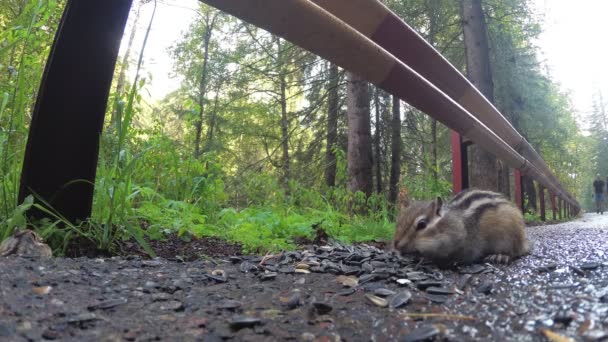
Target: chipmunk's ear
pixel 438 204
pixel 403 198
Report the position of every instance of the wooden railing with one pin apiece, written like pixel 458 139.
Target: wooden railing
pixel 375 21
pixel 365 37
pixel 361 36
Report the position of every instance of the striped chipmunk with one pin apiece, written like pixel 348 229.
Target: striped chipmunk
pixel 474 225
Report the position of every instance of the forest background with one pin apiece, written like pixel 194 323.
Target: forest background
pixel 252 145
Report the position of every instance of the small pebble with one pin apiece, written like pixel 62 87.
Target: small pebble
pixel 294 301
pixel 322 308
pixel 403 281
pixel 241 322
pixel 230 304
pixel 436 298
pixel 400 299
pixel 485 287
pixel 546 268
pixel 421 334
pixel 383 292
pixel 346 292
pixel 588 266
pixel 268 276
pixel 423 285
pixel 473 269
pixel 378 301
pixel 439 290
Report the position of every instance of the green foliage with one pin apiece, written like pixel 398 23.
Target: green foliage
pixel 17 218
pixel 260 229
pixel 532 217
pixel 173 216
pixel 26 32
pixel 426 187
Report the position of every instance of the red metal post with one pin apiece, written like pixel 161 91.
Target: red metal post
pixel 460 161
pixel 541 197
pixel 519 199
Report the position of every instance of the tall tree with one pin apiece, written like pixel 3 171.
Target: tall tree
pixel 598 127
pixel 433 9
pixel 333 99
pixel 484 173
pixel 377 141
pixel 395 151
pixel 285 162
pixel 359 157
pixel 209 18
pixel 124 66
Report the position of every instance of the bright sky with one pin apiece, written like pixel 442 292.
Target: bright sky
pixel 172 18
pixel 575 48
pixel 573 45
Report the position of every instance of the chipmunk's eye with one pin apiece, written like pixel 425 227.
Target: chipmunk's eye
pixel 421 224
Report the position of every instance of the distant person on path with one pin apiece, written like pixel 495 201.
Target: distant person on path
pixel 598 187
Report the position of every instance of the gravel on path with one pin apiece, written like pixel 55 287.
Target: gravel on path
pixel 326 293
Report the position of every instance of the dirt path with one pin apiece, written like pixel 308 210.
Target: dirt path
pixel 561 288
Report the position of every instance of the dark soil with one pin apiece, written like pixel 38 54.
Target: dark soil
pixel 172 248
pixel 561 288
pixel 83 247
pixel 175 247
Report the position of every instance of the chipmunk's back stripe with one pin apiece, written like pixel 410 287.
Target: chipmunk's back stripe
pixel 472 209
pixel 475 216
pixel 465 201
pixel 460 195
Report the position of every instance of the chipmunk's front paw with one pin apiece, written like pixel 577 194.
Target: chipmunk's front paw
pixel 498 259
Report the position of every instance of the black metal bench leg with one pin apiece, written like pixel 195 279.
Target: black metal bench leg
pixel 63 144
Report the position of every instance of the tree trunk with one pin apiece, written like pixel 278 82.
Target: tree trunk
pixel 359 136
pixel 332 126
pixel 434 163
pixel 529 193
pixel 413 149
pixel 213 121
pixel 284 119
pixel 377 153
pixel 284 132
pixel 120 83
pixel 203 86
pixel 395 151
pixel 433 11
pixel 484 173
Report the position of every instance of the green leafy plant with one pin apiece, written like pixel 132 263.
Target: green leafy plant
pixel 17 219
pixel 25 40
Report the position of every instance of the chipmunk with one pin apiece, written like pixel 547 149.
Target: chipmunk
pixel 475 224
pixel 25 243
